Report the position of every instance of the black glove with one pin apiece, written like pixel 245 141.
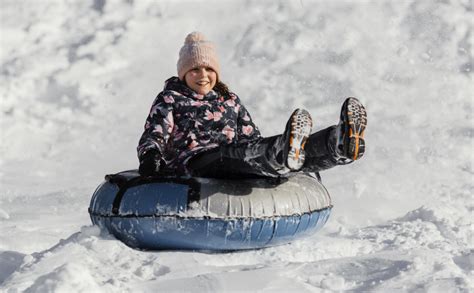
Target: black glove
pixel 149 163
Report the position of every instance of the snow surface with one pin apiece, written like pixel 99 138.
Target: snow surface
pixel 77 81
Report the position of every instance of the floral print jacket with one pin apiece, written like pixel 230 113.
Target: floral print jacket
pixel 183 123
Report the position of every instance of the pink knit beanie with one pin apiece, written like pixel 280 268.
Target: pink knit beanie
pixel 197 51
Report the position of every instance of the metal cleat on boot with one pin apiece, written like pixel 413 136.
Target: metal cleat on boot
pixel 351 144
pixel 298 130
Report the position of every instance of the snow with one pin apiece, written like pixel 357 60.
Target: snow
pixel 77 81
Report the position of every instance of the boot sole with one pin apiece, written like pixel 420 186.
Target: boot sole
pixel 301 124
pixel 356 122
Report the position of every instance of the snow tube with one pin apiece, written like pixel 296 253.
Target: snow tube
pixel 209 214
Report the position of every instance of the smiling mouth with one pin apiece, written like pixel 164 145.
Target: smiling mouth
pixel 202 83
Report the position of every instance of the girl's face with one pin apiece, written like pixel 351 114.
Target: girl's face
pixel 201 79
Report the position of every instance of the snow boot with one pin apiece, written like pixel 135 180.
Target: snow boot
pixel 296 133
pixel 350 144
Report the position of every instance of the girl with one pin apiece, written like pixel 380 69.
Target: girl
pixel 197 127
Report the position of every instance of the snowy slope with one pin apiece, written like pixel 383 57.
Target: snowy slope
pixel 77 81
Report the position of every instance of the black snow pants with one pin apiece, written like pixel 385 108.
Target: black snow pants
pixel 263 158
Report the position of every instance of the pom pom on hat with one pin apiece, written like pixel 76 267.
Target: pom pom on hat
pixel 194 37
pixel 197 51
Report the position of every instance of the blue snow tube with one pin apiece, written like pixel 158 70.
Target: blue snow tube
pixel 209 214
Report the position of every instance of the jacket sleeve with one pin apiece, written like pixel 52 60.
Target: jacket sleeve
pixel 158 126
pixel 246 129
